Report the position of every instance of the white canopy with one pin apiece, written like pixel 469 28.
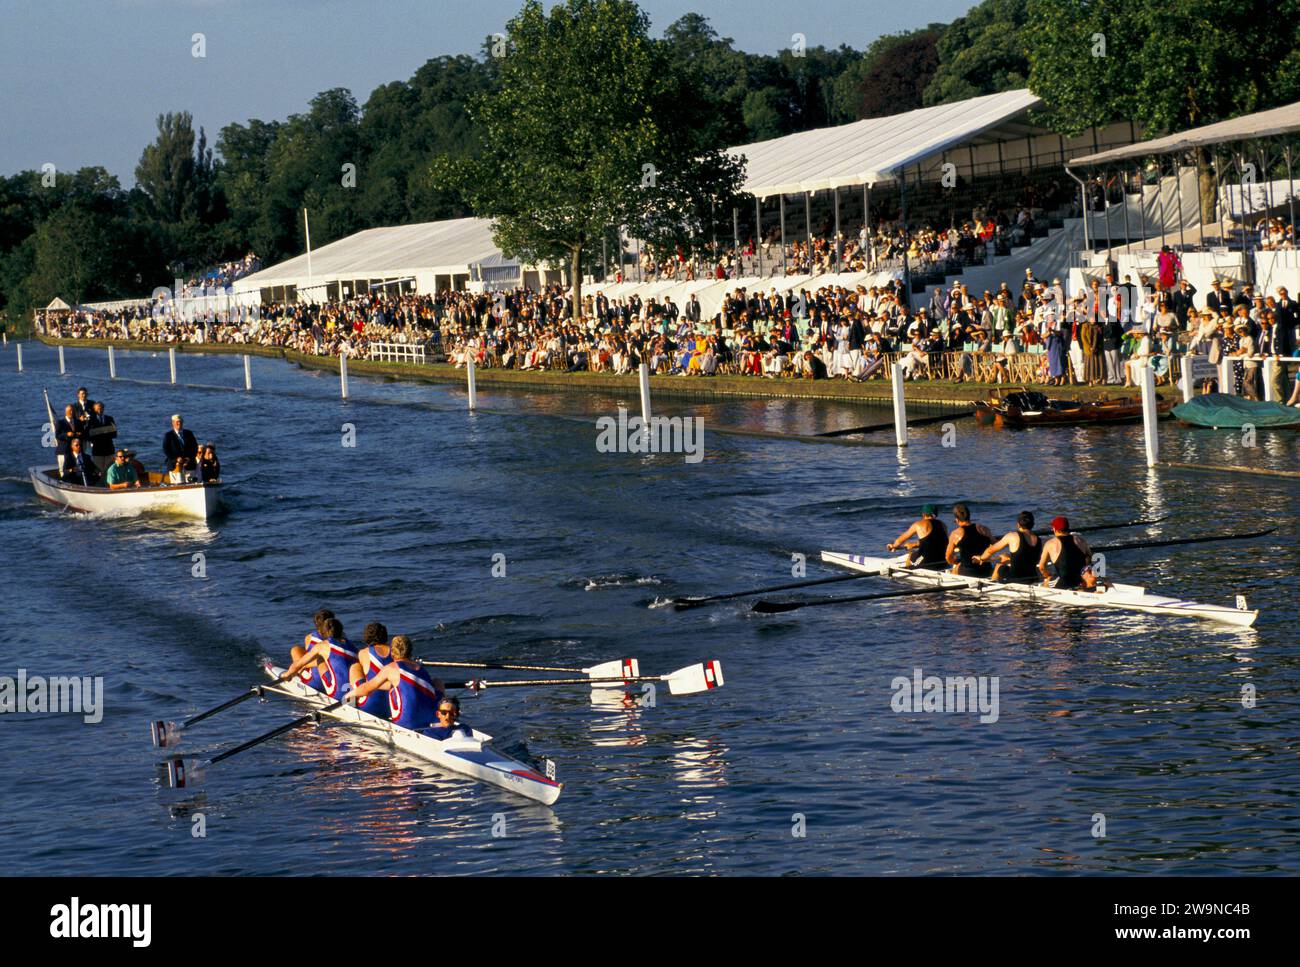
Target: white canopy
pixel 1250 127
pixel 399 250
pixel 57 304
pixel 872 150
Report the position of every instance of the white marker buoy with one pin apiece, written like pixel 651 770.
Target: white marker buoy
pixel 900 407
pixel 19 347
pixel 1270 369
pixel 1149 415
pixel 343 375
pixel 112 364
pixel 171 360
pixel 62 368
pixel 1185 381
pixel 248 372
pixel 1225 376
pixel 469 379
pixel 643 377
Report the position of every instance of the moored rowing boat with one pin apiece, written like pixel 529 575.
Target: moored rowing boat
pixel 470 756
pixel 1127 597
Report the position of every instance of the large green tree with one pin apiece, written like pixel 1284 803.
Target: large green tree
pixel 981 53
pixel 582 134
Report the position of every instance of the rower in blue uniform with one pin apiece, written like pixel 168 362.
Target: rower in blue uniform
pixel 413 696
pixel 931 539
pixel 371 659
pixel 312 638
pixel 327 665
pixel 1017 553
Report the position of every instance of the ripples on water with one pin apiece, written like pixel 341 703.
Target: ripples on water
pixel 1125 715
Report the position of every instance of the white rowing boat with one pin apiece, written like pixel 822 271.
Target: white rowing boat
pixel 186 500
pixel 1126 597
pixel 468 755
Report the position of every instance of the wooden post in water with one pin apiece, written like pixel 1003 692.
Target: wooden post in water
pixel 643 377
pixel 343 375
pixel 112 364
pixel 171 359
pixel 62 368
pixel 248 372
pixel 469 379
pixel 900 407
pixel 1150 414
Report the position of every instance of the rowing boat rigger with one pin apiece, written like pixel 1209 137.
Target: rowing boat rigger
pixel 467 755
pixel 1126 597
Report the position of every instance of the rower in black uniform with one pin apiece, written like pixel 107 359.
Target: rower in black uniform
pixel 966 542
pixel 1020 550
pixel 931 540
pixel 1067 560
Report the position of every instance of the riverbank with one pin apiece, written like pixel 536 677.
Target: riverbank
pixel 934 393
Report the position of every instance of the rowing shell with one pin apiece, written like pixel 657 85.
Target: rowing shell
pixel 1127 597
pixel 463 754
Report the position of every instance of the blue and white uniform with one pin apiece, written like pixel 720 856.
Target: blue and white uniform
pixel 413 701
pixel 331 677
pixel 376 703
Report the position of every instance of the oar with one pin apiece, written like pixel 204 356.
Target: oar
pixel 1184 540
pixel 1110 527
pixel 627 667
pixel 684 681
pixel 780 607
pixel 683 604
pixel 169 733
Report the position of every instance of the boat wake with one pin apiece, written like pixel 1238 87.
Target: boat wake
pixel 604 581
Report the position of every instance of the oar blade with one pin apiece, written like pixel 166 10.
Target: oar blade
pixel 776 607
pixel 625 668
pixel 696 678
pixel 179 772
pixel 165 735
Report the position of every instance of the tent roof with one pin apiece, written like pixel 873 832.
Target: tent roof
pixel 1249 127
pixel 389 251
pixel 872 150
pixel 57 303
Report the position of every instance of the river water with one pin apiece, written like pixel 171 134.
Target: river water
pixel 798 765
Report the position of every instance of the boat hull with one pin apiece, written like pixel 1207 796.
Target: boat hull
pixel 1126 597
pixel 466 756
pixel 1005 414
pixel 201 501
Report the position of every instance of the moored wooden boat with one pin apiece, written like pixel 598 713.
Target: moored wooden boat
pixel 1029 408
pixel 185 500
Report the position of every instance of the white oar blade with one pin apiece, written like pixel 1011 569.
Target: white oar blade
pixel 624 668
pixel 165 734
pixel 696 678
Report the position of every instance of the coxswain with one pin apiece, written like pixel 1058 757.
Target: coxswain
pixel 448 723
pixel 1017 552
pixel 1065 561
pixel 326 666
pixel 413 697
pixel 931 539
pixel 966 543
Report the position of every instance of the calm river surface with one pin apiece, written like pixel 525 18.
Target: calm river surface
pixel 1129 716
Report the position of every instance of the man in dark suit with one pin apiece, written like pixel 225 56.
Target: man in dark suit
pixel 102 449
pixel 65 431
pixel 180 442
pixel 1181 302
pixel 1218 300
pixel 693 308
pixel 79 468
pixel 82 404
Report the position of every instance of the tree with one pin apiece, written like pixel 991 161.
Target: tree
pixel 981 53
pixel 1166 64
pixel 582 134
pixel 892 76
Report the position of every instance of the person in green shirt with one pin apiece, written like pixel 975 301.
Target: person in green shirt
pixel 121 474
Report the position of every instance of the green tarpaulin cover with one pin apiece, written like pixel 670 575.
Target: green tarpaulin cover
pixel 1221 410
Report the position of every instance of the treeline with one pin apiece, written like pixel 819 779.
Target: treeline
pixel 84 237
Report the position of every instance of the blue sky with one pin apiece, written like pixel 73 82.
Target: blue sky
pixel 84 80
